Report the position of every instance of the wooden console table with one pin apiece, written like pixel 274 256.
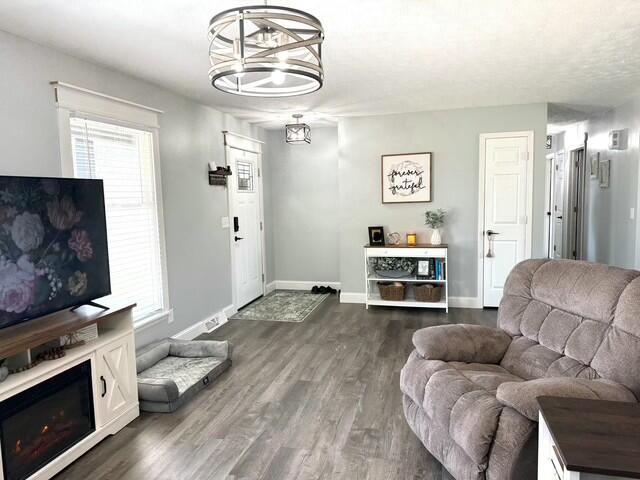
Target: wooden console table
pixel 418 252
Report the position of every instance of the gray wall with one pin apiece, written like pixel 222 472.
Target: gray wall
pixel 610 232
pixel 452 137
pixel 301 208
pixel 197 247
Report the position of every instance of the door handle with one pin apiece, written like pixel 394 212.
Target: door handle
pixel 104 386
pixel 236 238
pixel 490 234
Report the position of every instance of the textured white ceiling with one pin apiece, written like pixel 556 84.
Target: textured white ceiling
pixel 381 56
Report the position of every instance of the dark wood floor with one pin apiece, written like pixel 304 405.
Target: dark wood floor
pixel 312 400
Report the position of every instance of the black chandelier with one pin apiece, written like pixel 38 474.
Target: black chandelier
pixel 266 51
pixel 297 133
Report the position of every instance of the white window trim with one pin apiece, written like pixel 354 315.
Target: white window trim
pixel 77 101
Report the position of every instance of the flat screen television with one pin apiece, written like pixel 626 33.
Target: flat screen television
pixel 53 246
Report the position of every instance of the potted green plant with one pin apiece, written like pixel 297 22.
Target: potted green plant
pixel 435 220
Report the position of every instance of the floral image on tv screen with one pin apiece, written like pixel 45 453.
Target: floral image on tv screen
pixel 53 246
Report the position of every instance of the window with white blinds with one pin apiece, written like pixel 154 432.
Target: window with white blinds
pixel 123 158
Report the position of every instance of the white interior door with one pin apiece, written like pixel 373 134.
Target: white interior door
pixel 507 203
pixel 558 210
pixel 246 226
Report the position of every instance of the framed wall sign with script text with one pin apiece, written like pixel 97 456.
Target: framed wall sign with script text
pixel 406 178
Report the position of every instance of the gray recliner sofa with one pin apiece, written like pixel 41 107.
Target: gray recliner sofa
pixel 565 328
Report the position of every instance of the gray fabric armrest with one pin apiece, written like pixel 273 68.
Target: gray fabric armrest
pixel 157 389
pixel 462 343
pixel 200 348
pixel 523 396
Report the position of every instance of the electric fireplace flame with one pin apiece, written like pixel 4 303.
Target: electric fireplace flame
pixel 34 426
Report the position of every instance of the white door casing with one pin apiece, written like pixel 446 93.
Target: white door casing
pixel 505 208
pixel 245 219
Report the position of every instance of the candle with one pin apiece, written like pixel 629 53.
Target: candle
pixel 411 239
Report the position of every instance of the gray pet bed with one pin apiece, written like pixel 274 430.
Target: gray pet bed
pixel 171 372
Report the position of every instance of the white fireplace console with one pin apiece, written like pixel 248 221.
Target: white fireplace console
pixel 113 371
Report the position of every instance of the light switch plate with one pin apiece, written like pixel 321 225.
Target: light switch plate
pixel 225 222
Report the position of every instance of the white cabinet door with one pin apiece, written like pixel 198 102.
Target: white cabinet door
pixel 117 385
pixel 506 208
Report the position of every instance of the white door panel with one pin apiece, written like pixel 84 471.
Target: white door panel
pixel 505 211
pixel 117 376
pixel 247 240
pixel 558 210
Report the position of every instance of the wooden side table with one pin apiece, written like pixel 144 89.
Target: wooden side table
pixel 588 439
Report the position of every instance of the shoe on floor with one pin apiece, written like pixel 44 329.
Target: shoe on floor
pixel 315 289
pixel 323 290
pixel 331 290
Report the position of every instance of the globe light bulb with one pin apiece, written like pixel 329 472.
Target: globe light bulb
pixel 277 77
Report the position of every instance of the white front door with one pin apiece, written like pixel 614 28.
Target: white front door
pixel 246 226
pixel 507 205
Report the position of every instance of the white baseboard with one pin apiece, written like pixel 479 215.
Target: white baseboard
pixel 455 302
pixel 269 287
pixel 229 311
pixel 352 297
pixel 206 325
pixel 465 302
pixel 296 285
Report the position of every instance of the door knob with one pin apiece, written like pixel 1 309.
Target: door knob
pixel 237 238
pixel 491 232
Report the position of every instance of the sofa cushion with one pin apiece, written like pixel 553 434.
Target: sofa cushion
pixel 440 444
pixel 461 343
pixel 463 402
pixel 416 373
pixel 528 359
pixel 523 396
pixel 572 319
pixel 589 290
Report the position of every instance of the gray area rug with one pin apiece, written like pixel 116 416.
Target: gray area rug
pixel 282 306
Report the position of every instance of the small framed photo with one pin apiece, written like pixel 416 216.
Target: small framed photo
pixel 406 178
pixel 376 236
pixel 605 173
pixel 595 165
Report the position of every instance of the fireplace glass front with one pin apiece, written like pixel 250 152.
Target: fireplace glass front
pixel 41 423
